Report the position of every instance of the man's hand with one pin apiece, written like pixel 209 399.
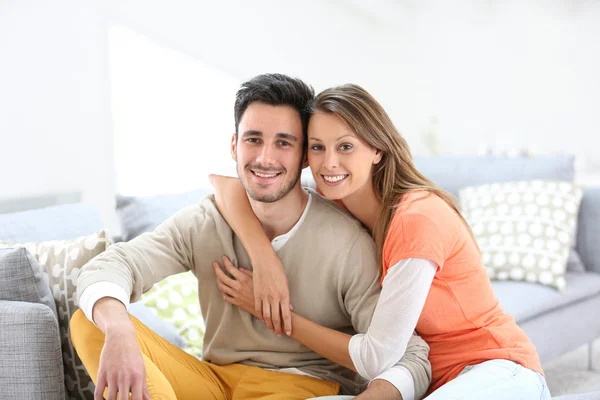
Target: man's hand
pixel 380 389
pixel 121 368
pixel 272 296
pixel 237 289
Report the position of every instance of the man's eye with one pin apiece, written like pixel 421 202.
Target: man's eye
pixel 252 140
pixel 284 144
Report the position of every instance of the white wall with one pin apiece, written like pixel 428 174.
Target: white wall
pixel 55 124
pixel 507 74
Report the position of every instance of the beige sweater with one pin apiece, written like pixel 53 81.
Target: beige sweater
pixel 332 273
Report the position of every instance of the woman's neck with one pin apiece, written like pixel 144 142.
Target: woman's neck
pixel 365 206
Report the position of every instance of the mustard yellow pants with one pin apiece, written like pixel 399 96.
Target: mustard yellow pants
pixel 171 373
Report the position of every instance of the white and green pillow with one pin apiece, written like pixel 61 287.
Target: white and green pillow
pixel 525 229
pixel 175 300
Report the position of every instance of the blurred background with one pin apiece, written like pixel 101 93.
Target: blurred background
pixel 136 96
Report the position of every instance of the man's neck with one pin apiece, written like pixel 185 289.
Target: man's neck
pixel 279 218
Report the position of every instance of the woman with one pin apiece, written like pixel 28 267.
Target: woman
pixel 433 277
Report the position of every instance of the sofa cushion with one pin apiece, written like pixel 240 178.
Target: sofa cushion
pixel 524 229
pixel 21 279
pixel 61 261
pixel 175 301
pixel 30 352
pixel 453 173
pixel 62 222
pixel 525 301
pixel 139 214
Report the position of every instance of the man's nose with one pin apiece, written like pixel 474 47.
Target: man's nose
pixel 266 156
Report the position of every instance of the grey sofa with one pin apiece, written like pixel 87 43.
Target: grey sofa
pixel 555 321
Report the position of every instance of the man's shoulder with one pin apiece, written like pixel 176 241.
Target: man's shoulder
pixel 329 221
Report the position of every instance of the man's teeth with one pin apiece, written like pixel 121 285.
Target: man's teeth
pixel 334 179
pixel 265 175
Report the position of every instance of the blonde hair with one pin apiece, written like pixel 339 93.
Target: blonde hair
pixel 395 175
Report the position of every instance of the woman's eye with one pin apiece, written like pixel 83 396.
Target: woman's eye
pixel 316 147
pixel 346 147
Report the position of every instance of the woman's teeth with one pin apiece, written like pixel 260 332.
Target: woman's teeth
pixel 334 179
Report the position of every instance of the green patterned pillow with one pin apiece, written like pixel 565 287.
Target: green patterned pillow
pixel 175 300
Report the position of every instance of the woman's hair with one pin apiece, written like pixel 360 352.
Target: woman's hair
pixel 395 175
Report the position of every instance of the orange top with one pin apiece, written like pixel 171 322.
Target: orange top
pixel 462 320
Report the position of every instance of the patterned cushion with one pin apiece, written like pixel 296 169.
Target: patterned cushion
pixel 524 229
pixel 175 300
pixel 60 262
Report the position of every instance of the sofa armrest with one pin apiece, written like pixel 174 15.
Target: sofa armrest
pixel 31 364
pixel 588 229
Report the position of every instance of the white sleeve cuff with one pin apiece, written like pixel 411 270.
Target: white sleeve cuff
pixel 402 380
pixel 355 356
pixel 98 290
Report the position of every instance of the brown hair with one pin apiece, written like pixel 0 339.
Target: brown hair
pixel 395 175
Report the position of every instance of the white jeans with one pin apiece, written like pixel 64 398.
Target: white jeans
pixel 490 380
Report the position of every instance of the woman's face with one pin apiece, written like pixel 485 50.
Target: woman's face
pixel 340 161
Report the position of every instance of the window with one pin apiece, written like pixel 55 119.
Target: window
pixel 172 115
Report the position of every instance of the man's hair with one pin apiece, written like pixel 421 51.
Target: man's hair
pixel 275 90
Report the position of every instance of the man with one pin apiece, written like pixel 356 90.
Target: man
pixel 336 285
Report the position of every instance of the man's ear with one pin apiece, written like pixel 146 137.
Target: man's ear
pixel 378 156
pixel 234 146
pixel 305 161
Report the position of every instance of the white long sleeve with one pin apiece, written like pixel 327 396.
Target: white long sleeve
pixel 403 295
pixel 98 290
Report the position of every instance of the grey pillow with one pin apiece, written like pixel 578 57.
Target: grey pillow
pixel 139 214
pixel 452 173
pixel 21 279
pixel 62 222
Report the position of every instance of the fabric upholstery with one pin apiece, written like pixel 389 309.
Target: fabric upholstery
pixel 60 261
pixel 62 222
pixel 139 214
pixel 588 232
pixel 21 279
pixel 30 352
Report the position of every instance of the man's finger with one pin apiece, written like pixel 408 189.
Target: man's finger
pixel 124 390
pixel 287 316
pixel 222 276
pixel 229 299
pixel 137 390
pixel 267 315
pixel 226 289
pixel 100 386
pixel 231 268
pixel 112 390
pixel 276 317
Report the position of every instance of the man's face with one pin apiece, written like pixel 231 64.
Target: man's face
pixel 268 151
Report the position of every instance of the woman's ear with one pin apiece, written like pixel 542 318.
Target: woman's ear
pixel 378 156
pixel 305 162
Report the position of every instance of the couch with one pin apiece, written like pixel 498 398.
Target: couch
pixel 32 355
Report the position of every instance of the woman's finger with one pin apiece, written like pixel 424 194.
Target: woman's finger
pixel 226 289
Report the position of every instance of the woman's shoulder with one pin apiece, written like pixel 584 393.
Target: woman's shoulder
pixel 422 203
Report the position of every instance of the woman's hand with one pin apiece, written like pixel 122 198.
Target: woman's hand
pixel 238 290
pixel 272 296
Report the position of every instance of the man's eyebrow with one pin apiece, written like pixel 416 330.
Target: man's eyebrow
pixel 288 136
pixel 252 133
